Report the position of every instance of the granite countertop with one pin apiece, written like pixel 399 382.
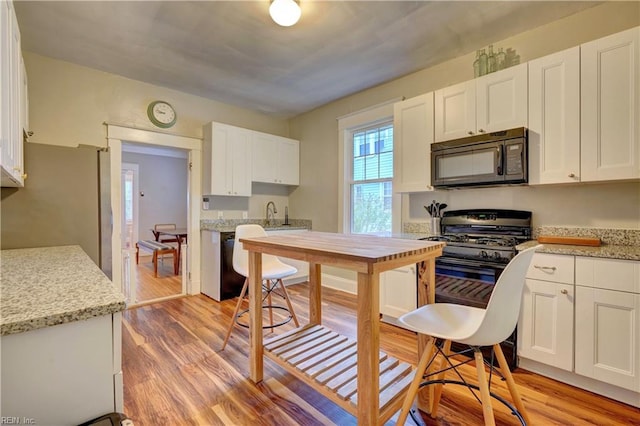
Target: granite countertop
pixel 609 251
pixel 42 287
pixel 229 225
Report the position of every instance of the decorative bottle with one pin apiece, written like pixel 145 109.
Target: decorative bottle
pixel 501 59
pixel 491 60
pixel 482 63
pixel 476 65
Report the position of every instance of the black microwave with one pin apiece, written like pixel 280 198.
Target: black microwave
pixel 497 158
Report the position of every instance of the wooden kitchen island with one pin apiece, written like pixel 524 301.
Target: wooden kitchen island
pixel 354 374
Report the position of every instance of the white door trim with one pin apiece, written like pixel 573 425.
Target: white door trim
pixel 135 169
pixel 116 135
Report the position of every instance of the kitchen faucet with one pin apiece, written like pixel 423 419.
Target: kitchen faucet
pixel 273 212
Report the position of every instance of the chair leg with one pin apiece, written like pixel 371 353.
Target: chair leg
pixel 446 349
pixel 415 384
pixel 511 384
pixel 270 287
pixel 155 263
pixel 137 253
pixel 176 262
pixel 286 297
pixel 485 396
pixel 235 312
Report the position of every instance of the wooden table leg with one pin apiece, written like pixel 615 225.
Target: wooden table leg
pixel 368 348
pixel 255 317
pixel 315 294
pixel 426 295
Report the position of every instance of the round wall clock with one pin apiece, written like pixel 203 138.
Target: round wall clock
pixel 162 114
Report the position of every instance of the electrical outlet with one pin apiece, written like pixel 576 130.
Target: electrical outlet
pixel 245 215
pixel 220 214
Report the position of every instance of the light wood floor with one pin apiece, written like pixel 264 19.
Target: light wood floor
pixel 174 374
pixel 149 287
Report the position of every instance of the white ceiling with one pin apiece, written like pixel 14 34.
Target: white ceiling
pixel 232 52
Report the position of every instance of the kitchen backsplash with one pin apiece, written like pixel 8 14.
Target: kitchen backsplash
pixel 610 236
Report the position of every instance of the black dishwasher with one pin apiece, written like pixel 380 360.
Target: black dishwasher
pixel 231 282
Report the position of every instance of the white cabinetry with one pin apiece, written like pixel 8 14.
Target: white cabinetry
pixel 545 331
pixel 554 118
pixel 275 159
pixel 14 114
pixel 227 160
pixel 493 102
pixel 610 107
pixel 412 139
pixel 608 321
pixel 398 292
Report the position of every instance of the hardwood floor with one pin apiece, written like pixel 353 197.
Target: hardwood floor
pixel 174 373
pixel 149 287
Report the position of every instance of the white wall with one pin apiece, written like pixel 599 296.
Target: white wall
pixel 316 198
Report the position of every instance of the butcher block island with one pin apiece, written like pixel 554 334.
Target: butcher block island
pixel 373 386
pixel 61 337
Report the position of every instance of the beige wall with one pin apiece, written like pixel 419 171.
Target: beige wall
pixel 68 105
pixel 316 198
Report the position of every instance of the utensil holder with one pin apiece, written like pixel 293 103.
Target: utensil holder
pixel 435 226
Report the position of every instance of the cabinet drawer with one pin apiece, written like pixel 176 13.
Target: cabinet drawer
pixel 552 267
pixel 610 274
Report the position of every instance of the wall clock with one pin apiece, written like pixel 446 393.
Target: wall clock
pixel 162 114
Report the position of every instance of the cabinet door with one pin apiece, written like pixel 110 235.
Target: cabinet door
pixel 264 157
pixel 455 111
pixel 554 118
pixel 412 139
pixel 608 336
pixel 240 162
pixel 545 330
pixel 220 182
pixel 610 107
pixel 501 100
pixel 398 291
pixel 288 161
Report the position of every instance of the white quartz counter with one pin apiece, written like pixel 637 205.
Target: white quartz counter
pixel 42 287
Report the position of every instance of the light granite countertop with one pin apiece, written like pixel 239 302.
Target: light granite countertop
pixel 609 251
pixel 229 225
pixel 42 287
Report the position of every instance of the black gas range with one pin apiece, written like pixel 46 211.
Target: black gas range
pixel 479 244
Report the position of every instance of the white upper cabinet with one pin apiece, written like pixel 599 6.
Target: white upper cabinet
pixel 13 94
pixel 610 107
pixel 227 160
pixel 275 159
pixel 554 118
pixel 496 101
pixel 412 139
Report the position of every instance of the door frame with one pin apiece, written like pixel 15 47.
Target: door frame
pixel 135 169
pixel 116 135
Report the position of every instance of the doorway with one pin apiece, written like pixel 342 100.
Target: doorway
pixel 123 254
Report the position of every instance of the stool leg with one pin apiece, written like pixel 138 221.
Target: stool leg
pixel 155 263
pixel 485 396
pixel 286 297
pixel 511 384
pixel 438 387
pixel 235 312
pixel 415 384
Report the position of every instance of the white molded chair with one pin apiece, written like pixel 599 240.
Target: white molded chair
pixel 273 271
pixel 475 327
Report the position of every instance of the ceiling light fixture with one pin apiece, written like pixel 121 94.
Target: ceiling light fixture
pixel 285 12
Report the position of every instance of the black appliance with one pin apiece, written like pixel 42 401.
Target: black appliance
pixel 480 243
pixel 487 159
pixel 231 282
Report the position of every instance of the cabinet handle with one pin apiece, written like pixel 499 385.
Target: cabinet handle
pixel 470 132
pixel 545 268
pixel 481 130
pixel 572 175
pixel 564 291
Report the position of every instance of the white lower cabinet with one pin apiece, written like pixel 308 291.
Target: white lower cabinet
pixel 584 320
pixel 398 292
pixel 607 345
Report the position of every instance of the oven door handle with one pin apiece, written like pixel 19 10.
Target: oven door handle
pixel 463 266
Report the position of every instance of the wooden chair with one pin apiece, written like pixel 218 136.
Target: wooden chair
pixel 165 239
pixel 475 327
pixel 273 271
pixel 158 250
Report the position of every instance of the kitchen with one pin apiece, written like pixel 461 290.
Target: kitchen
pixel 596 205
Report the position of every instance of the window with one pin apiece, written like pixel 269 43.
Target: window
pixel 371 179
